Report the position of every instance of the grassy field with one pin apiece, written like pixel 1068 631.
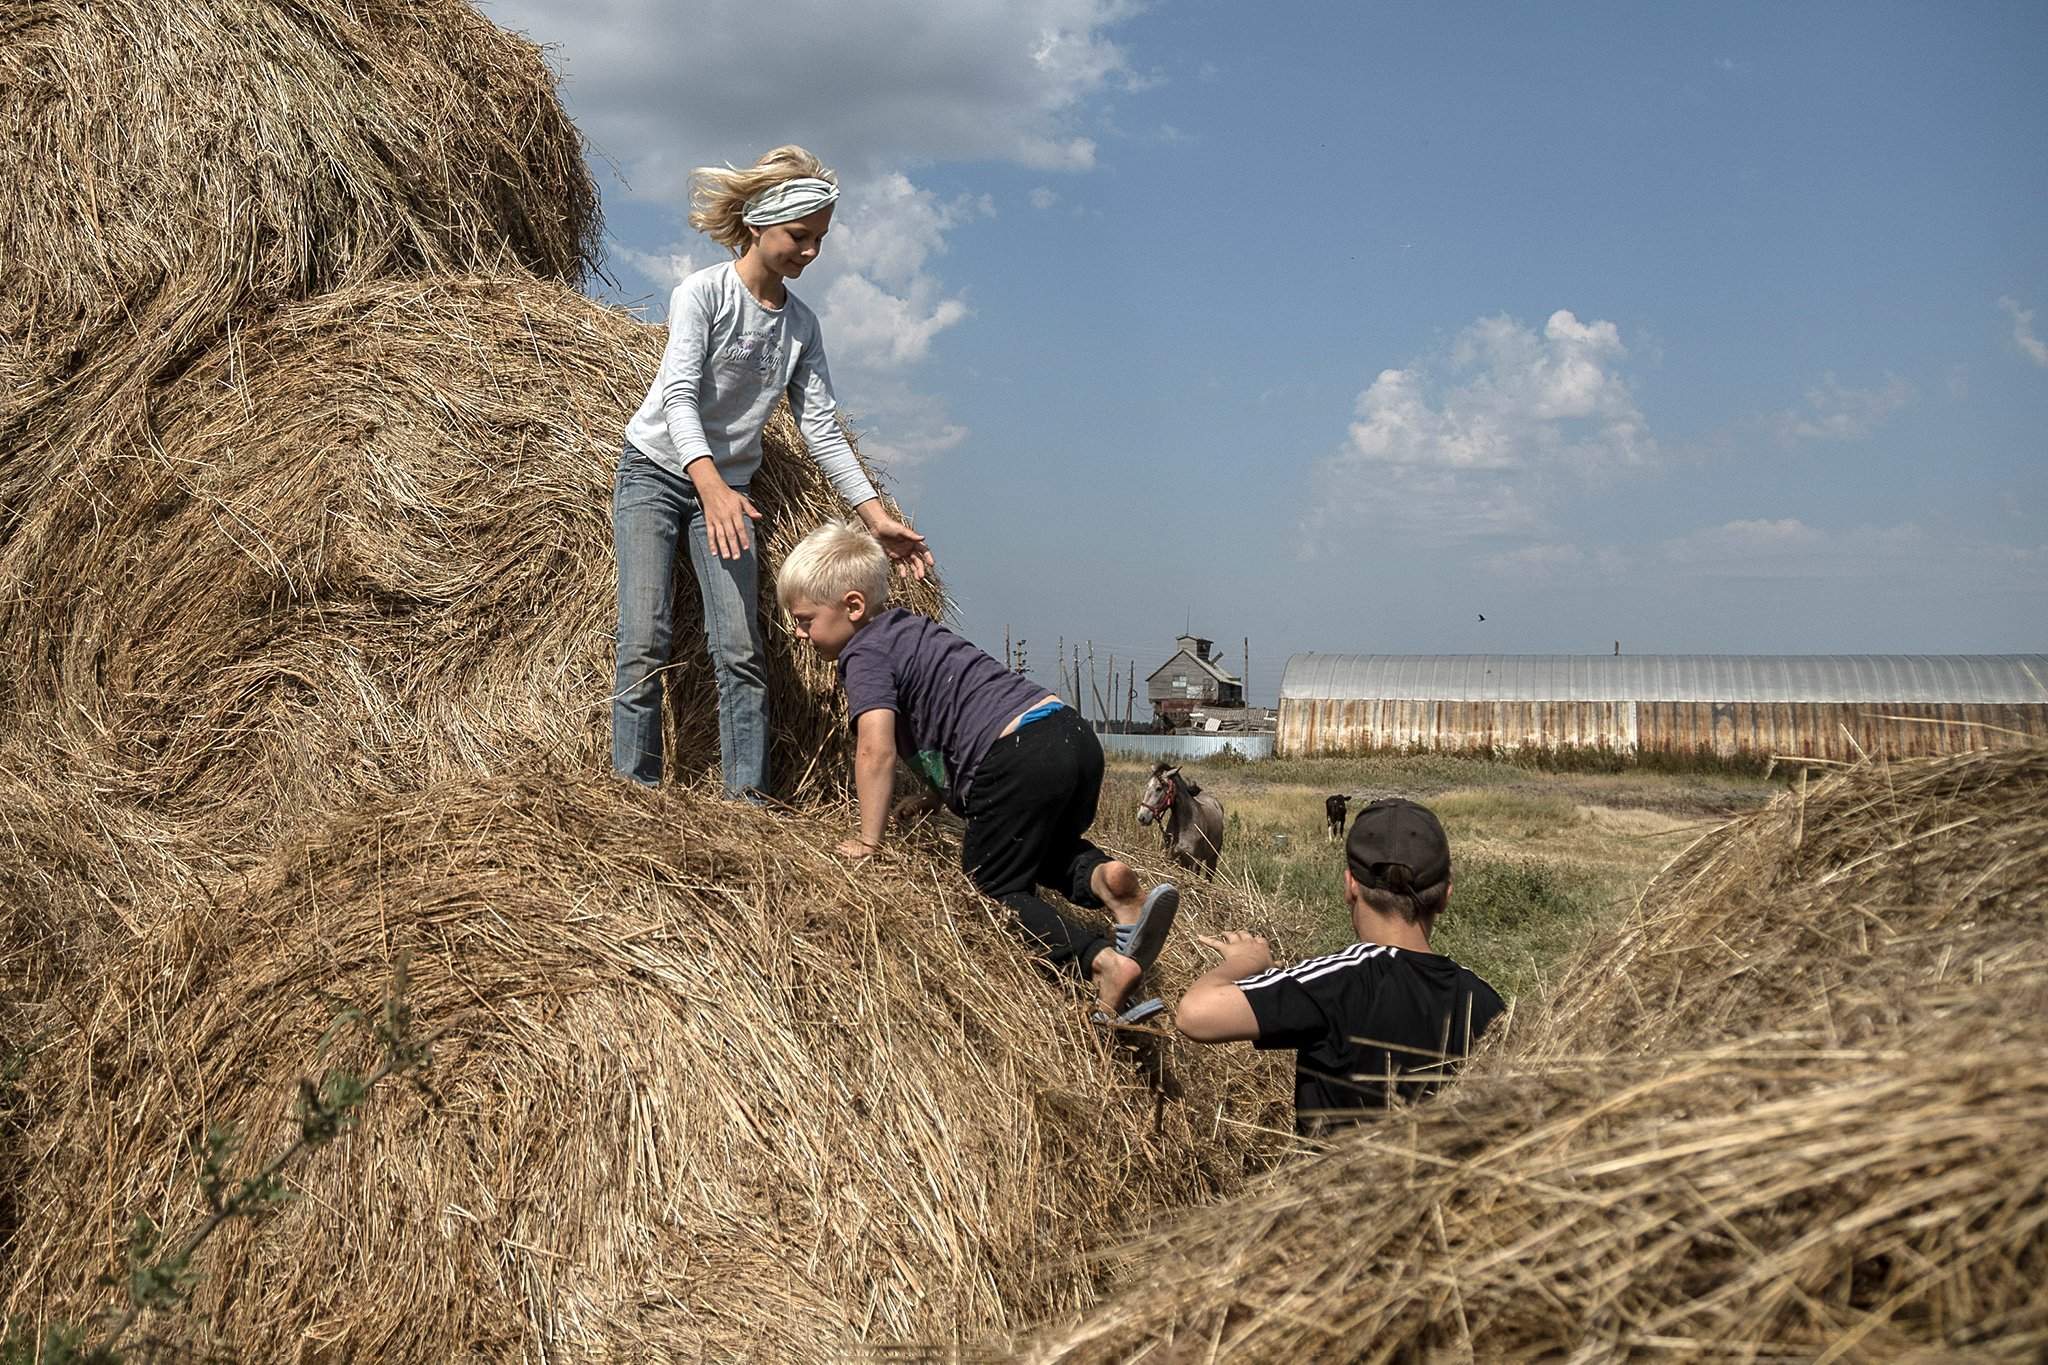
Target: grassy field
pixel 1537 856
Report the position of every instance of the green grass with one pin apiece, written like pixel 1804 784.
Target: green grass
pixel 1538 857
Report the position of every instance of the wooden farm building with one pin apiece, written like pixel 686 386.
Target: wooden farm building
pixel 1192 677
pixel 1816 706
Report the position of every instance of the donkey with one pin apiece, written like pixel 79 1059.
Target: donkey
pixel 1190 822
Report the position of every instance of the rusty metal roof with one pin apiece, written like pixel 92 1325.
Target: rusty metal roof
pixel 1960 678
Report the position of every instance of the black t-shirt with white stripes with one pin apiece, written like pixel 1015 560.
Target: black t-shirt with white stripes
pixel 1369 1022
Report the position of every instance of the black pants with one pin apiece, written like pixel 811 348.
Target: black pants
pixel 1028 811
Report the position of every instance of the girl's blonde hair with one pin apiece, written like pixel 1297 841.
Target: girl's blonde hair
pixel 831 561
pixel 718 194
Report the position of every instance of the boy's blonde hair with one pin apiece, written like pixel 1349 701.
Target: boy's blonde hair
pixel 836 559
pixel 719 194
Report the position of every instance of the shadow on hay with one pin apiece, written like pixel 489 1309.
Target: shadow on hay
pixel 703 1092
pixel 1789 1109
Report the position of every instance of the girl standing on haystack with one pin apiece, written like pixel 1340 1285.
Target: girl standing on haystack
pixel 737 341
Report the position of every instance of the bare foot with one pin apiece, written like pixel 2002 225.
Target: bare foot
pixel 1116 976
pixel 1118 887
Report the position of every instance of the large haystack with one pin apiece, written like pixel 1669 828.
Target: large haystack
pixel 704 1093
pixel 367 545
pixel 173 166
pixel 1833 1154
pixel 1881 874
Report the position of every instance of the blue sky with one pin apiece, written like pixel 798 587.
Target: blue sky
pixel 1335 326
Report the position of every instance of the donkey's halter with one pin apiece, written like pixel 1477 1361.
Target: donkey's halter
pixel 1166 795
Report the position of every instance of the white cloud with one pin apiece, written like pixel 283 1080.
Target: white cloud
pixel 2023 336
pixel 869 87
pixel 1834 412
pixel 879 330
pixel 1472 442
pixel 888 230
pixel 1517 400
pixel 1043 198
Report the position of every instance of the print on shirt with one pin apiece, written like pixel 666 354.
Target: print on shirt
pixel 752 350
pixel 931 765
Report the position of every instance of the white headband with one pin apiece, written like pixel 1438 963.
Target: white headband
pixel 787 200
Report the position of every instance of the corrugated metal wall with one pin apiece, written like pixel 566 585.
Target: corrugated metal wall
pixel 1832 730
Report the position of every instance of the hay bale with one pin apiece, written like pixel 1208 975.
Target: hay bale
pixel 1742 1205
pixel 367 545
pixel 704 1094
pixel 1824 895
pixel 174 165
pixel 1842 1163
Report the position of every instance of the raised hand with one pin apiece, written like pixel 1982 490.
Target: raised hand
pixel 906 547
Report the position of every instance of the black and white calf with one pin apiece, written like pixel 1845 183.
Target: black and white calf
pixel 1333 808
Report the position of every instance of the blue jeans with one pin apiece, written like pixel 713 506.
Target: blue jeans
pixel 650 508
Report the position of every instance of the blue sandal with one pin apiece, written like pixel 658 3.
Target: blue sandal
pixel 1136 1014
pixel 1142 942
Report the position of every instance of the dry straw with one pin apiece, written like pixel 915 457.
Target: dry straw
pixel 174 166
pixel 705 1092
pixel 1789 1110
pixel 366 545
pixel 1822 899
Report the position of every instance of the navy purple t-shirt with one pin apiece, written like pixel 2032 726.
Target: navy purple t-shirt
pixel 951 700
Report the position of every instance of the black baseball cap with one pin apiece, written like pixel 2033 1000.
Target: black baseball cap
pixel 1392 830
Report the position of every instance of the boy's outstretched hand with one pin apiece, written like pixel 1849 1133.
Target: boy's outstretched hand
pixel 1244 953
pixel 857 847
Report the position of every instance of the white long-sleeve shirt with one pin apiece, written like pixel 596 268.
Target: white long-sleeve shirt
pixel 728 359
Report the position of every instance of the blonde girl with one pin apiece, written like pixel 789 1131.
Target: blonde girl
pixel 737 341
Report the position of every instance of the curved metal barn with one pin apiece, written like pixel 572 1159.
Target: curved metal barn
pixel 1814 705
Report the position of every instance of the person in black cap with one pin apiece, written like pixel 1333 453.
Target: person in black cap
pixel 1383 1020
